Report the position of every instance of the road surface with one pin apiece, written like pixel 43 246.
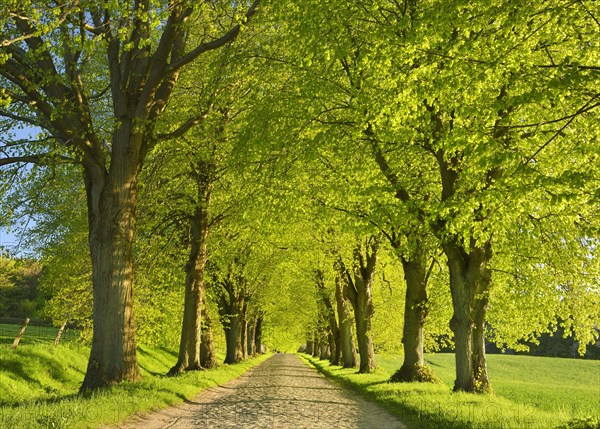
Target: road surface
pixel 281 392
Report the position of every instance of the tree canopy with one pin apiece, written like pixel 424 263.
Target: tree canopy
pixel 260 168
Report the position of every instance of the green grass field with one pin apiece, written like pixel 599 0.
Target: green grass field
pixel 39 384
pixel 529 392
pixel 35 334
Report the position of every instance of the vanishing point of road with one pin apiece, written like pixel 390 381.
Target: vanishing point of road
pixel 281 392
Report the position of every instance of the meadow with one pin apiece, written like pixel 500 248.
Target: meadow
pixel 529 392
pixel 35 334
pixel 39 386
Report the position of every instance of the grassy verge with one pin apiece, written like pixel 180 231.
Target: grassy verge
pixel 38 387
pixel 530 392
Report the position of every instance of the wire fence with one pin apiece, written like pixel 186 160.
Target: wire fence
pixel 37 331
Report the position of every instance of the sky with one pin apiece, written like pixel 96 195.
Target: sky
pixel 9 240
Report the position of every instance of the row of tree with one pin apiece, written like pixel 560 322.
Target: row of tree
pixel 252 151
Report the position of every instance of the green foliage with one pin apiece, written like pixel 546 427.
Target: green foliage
pixel 329 121
pixel 20 294
pixel 585 423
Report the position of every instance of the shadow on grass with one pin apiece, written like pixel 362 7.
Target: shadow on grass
pixel 413 417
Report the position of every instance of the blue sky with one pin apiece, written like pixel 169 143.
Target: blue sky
pixel 8 239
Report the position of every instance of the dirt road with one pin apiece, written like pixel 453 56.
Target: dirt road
pixel 281 392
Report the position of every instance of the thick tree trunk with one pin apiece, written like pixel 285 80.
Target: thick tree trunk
pixel 208 357
pixel 233 339
pixel 347 348
pixel 112 202
pixel 324 351
pixel 232 315
pixel 258 335
pixel 189 344
pixel 469 283
pixel 415 311
pixel 362 315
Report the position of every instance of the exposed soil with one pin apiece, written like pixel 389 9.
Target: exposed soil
pixel 281 392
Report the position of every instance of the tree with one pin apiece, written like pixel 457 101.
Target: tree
pixel 359 292
pixel 327 312
pixel 50 84
pixel 348 349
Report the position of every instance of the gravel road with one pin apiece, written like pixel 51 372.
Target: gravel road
pixel 281 392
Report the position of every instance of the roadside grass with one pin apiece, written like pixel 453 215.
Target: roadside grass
pixel 39 385
pixel 529 392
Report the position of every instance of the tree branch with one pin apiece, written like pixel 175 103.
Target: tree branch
pixel 214 44
pixel 37 159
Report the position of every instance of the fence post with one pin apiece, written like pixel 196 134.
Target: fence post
pixel 20 334
pixel 59 334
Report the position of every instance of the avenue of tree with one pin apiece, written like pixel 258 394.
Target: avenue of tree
pixel 351 175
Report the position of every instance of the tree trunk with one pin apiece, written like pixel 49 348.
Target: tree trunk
pixel 112 201
pixel 233 341
pixel 258 335
pixel 470 281
pixel 334 332
pixel 362 315
pixel 309 343
pixel 232 325
pixel 359 290
pixel 191 331
pixel 334 357
pixel 251 337
pixel 208 357
pixel 415 311
pixel 324 351
pixel 482 381
pixel 347 349
pixel 244 338
pixel 316 350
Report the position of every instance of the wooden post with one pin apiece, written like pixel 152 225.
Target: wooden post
pixel 20 334
pixel 59 333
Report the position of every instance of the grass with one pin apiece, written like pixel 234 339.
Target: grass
pixel 35 334
pixel 39 384
pixel 529 392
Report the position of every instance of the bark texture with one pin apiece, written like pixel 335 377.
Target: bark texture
pixel 208 357
pixel 191 331
pixel 333 332
pixel 143 65
pixel 415 312
pixel 231 300
pixel 252 337
pixel 112 201
pixel 470 281
pixel 349 356
pixel 258 335
pixel 360 293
